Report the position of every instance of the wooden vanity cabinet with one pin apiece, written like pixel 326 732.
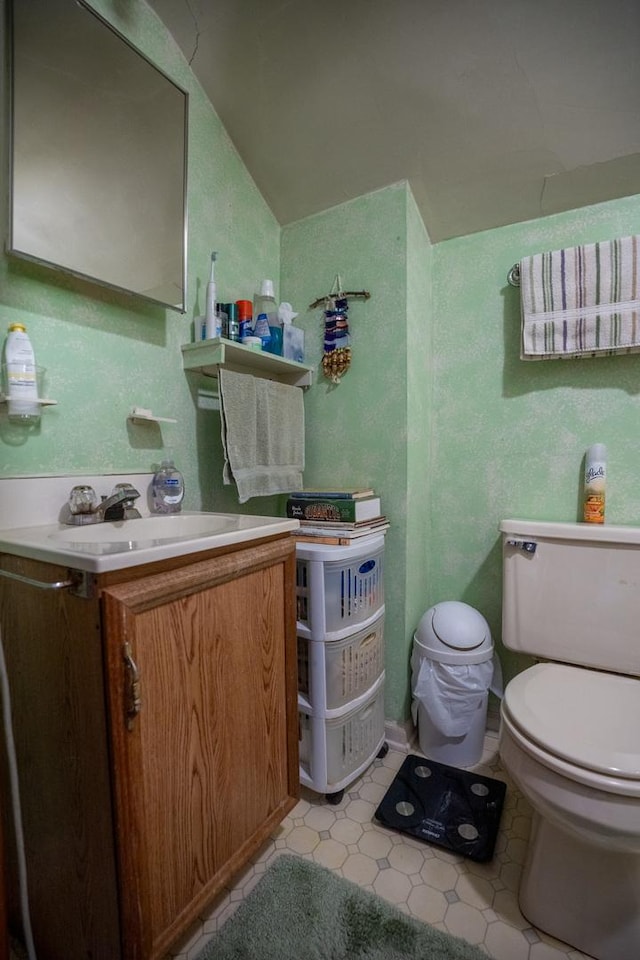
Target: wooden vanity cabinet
pixel 156 732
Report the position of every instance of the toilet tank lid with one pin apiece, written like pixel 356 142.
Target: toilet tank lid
pixel 601 533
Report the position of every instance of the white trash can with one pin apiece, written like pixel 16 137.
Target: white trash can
pixel 452 667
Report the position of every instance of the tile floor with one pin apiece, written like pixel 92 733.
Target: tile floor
pixel 476 901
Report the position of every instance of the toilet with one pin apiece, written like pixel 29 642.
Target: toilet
pixel 570 727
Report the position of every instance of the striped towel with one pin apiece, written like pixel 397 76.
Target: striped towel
pixel 581 302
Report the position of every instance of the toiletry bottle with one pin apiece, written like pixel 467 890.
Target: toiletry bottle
pixel 263 330
pixel 265 302
pixel 245 318
pixel 20 376
pixel 167 488
pixel 232 327
pixel 595 476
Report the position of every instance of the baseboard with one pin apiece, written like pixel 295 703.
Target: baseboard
pixel 493 719
pixel 401 736
pixel 404 736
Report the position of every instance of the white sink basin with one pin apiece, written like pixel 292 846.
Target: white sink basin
pixel 100 547
pixel 157 528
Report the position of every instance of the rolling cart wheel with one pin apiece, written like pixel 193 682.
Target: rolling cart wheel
pixel 334 798
pixel 383 751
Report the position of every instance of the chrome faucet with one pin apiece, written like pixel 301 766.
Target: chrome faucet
pixel 84 507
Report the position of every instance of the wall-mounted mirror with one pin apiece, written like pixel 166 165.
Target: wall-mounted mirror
pixel 99 153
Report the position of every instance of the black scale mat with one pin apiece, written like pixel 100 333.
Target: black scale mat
pixel 444 805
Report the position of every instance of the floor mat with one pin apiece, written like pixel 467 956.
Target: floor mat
pixel 299 910
pixel 446 806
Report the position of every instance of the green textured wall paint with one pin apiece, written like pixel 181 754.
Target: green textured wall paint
pixel 420 324
pixel 509 436
pixel 357 431
pixel 106 352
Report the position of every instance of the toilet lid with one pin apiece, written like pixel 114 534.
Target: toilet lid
pixel 589 718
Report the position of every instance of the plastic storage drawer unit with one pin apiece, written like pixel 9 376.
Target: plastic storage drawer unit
pixel 340 612
pixel 338 588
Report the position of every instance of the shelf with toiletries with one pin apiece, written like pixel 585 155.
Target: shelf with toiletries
pixel 207 356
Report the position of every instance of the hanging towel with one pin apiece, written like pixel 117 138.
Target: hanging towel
pixel 262 425
pixel 582 301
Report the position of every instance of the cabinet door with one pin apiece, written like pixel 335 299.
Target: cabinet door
pixel 201 664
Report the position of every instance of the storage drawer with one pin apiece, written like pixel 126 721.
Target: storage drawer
pixel 332 749
pixel 338 587
pixel 333 673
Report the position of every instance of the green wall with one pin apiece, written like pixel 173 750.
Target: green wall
pixel 420 326
pixel 509 436
pixel 372 428
pixel 105 352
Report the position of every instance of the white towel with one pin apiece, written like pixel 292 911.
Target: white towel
pixel 262 426
pixel 582 301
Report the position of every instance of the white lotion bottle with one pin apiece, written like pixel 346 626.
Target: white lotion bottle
pixel 20 373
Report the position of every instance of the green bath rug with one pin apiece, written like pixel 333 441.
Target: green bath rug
pixel 301 911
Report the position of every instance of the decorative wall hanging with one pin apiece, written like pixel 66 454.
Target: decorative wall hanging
pixel 337 341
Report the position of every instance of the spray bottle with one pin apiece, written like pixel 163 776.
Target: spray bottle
pixel 595 475
pixel 212 319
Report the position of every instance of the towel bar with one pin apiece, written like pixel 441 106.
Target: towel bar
pixel 513 277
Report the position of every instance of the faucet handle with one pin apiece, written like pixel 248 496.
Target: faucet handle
pixel 127 488
pixel 83 499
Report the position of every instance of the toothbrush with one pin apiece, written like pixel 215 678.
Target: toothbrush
pixel 211 291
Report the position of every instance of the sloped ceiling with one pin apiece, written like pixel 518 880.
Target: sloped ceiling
pixel 495 111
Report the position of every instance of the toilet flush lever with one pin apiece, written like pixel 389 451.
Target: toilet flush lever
pixel 529 546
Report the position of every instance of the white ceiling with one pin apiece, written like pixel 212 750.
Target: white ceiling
pixel 495 111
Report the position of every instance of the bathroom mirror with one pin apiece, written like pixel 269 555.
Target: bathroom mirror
pixel 98 153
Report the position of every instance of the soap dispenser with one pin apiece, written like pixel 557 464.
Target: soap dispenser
pixel 167 488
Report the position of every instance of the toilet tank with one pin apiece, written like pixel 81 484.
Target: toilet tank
pixel 571 592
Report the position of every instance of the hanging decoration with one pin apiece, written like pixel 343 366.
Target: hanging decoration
pixel 336 358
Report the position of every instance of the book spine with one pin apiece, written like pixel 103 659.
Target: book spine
pixel 331 541
pixel 331 494
pixel 348 535
pixel 300 508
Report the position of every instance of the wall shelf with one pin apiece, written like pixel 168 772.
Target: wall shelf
pixel 207 356
pixel 142 415
pixel 41 400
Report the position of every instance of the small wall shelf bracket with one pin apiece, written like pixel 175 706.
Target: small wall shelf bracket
pixel 142 415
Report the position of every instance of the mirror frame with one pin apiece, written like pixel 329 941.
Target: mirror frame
pixel 12 250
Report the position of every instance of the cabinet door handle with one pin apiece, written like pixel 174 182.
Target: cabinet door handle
pixel 134 702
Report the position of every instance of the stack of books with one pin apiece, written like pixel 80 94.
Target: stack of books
pixel 336 517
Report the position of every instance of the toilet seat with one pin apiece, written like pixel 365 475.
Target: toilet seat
pixel 584 723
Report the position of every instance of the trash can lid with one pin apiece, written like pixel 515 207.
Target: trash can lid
pixel 453 631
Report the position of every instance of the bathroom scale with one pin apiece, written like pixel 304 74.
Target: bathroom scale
pixel 446 806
